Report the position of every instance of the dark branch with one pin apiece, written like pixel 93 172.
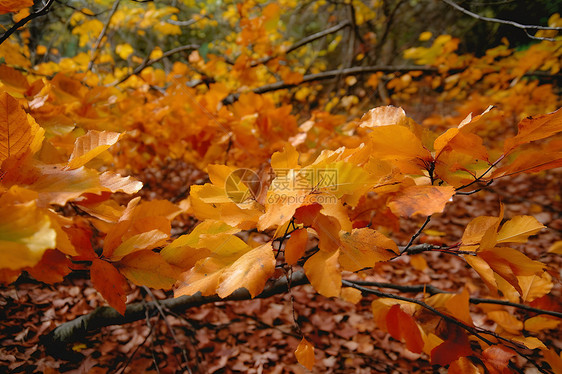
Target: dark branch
pixel 505 22
pixel 107 316
pixel 97 44
pixel 41 12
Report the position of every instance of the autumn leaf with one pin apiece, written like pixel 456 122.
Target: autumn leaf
pixel 422 200
pixel 89 146
pixel 19 133
pixel 518 229
pixel 8 6
pixel 363 248
pixel 296 246
pixel 52 268
pixel 250 271
pixel 463 365
pixel 458 306
pixel 454 347
pixel 496 358
pixel 110 283
pixel 323 271
pixel 535 128
pixel 305 354
pixel 401 326
pixel 25 232
pixel 147 268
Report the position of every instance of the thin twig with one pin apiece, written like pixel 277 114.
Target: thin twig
pixel 478 179
pixel 414 237
pixel 505 22
pixel 41 12
pixel 304 41
pixel 97 44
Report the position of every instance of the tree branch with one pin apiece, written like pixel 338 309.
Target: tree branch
pixel 107 316
pixel 25 20
pixel 505 22
pixel 97 44
pixel 305 41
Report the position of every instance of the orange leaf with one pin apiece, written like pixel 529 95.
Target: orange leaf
pixel 52 268
pixel 110 283
pixel 455 346
pixel 305 354
pixel 296 246
pixel 7 6
pixel 458 306
pixel 518 229
pixel 401 326
pixel 535 128
pixel 423 200
pixel 496 358
pixel 19 132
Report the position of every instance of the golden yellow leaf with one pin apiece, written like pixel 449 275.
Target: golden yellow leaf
pixel 147 268
pixel 363 248
pixel 323 271
pixel 351 295
pixel 518 229
pixel 7 6
pixel 146 240
pixel 540 323
pixel 534 286
pixel 556 247
pixel 250 271
pixel 485 272
pixel 506 320
pixel 305 354
pixel 89 146
pixel 25 233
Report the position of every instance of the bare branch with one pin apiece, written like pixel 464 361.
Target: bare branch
pixel 305 41
pixel 97 44
pixel 505 22
pixel 23 21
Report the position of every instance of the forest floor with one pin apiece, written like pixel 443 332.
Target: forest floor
pixel 259 336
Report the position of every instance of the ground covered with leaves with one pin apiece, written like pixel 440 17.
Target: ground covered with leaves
pixel 260 336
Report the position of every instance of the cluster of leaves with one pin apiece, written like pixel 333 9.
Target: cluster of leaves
pixel 326 195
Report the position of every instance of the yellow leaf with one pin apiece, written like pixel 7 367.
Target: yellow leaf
pixel 485 272
pixel 124 50
pixel 507 321
pixel 518 229
pixel 529 341
pixel 363 248
pixel 534 286
pixel 250 271
pixel 25 233
pixel 147 268
pixel 556 247
pixel 285 160
pixel 540 323
pixel 116 183
pixel 91 145
pixel 351 295
pixel 323 272
pixel 305 354
pixel 424 36
pixel 145 240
